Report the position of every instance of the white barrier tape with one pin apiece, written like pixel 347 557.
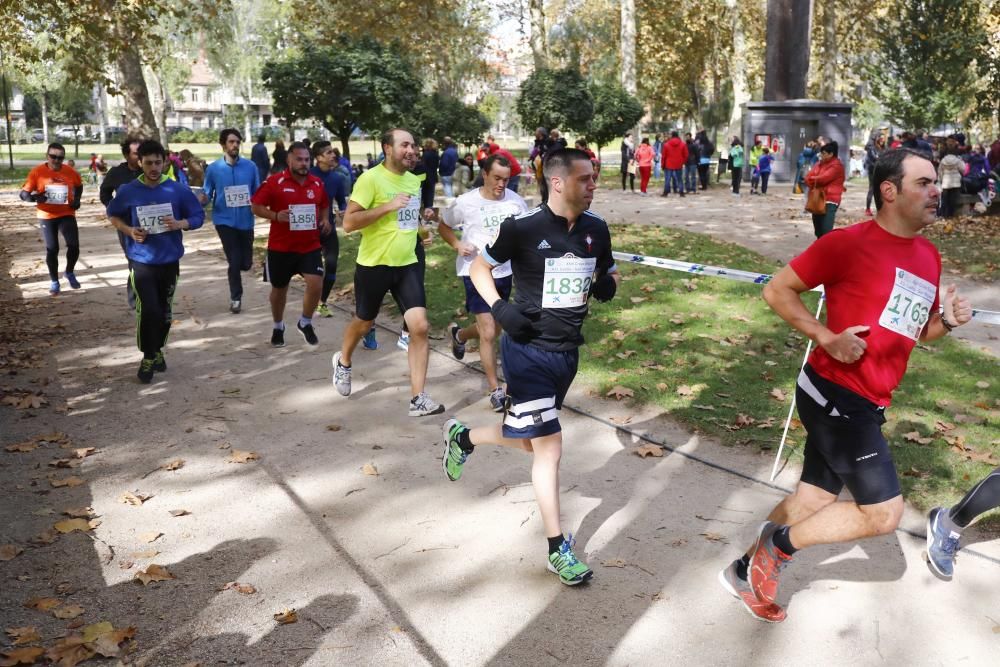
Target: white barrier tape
pixel 980 316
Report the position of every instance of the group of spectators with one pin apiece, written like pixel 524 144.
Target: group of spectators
pixel 684 163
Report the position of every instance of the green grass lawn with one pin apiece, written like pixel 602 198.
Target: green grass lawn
pixel 711 355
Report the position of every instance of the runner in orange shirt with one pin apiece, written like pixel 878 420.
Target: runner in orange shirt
pixel 56 190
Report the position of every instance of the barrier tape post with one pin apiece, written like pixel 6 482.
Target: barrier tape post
pixel 791 408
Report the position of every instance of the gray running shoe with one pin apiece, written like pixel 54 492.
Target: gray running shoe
pixel 942 545
pixel 457 347
pixel 423 405
pixel 341 376
pixel 498 399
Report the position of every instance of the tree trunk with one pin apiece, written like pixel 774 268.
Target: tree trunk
pixel 102 112
pixel 828 81
pixel 786 61
pixel 628 46
pixel 45 117
pixel 139 117
pixel 737 72
pixel 539 36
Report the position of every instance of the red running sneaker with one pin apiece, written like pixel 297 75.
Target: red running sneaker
pixel 762 611
pixel 766 562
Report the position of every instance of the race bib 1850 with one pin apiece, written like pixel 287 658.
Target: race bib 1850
pixel 909 305
pixel 567 281
pixel 237 195
pixel 302 217
pixel 151 217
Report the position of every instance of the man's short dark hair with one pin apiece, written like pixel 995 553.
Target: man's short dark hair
pixel 496 158
pixel 319 147
pixel 560 160
pixel 224 135
pixel 298 145
pixel 57 146
pixel 889 167
pixel 389 136
pixel 127 145
pixel 260 138
pixel 150 147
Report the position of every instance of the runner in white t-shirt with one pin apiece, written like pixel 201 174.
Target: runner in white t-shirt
pixel 479 214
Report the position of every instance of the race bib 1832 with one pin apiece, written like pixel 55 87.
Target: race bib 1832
pixel 150 218
pixel 237 196
pixel 909 305
pixel 302 217
pixel 567 281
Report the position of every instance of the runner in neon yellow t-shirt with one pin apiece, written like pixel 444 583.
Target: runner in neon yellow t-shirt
pixel 385 207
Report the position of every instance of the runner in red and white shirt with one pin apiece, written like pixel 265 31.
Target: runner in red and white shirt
pixel 296 203
pixel 881 282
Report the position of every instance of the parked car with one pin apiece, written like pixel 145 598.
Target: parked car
pixel 36 135
pixel 174 129
pixel 69 133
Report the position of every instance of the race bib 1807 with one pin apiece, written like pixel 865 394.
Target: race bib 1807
pixel 408 217
pixel 150 218
pixel 237 195
pixel 302 217
pixel 56 193
pixel 567 281
pixel 909 305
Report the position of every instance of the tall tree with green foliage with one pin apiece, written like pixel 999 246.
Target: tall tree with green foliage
pixel 437 116
pixel 615 113
pixel 555 99
pixel 358 84
pixel 922 65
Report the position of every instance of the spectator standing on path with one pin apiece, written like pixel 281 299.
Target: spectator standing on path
pixel 706 149
pixel 673 157
pixel 258 155
pixel 828 175
pixel 802 166
pixel 431 159
pixel 873 150
pixel 755 154
pixel 582 146
pixel 515 166
pixel 764 167
pixel 464 174
pixel 644 157
pixel 977 172
pixel 56 190
pixel 736 162
pixel 881 280
pixel 230 182
pixel 119 175
pixel 950 172
pixel 194 167
pixel 153 211
pixel 691 165
pixel 446 168
pixel 280 156
pixel 628 155
pixel 295 202
pixel 657 149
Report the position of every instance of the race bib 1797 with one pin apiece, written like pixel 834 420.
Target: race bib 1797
pixel 237 196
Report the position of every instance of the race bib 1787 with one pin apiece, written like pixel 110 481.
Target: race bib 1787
pixel 56 193
pixel 909 305
pixel 150 218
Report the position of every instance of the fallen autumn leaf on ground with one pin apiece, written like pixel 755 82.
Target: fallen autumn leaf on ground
pixel 239 456
pixel 648 450
pixel 286 616
pixel 154 573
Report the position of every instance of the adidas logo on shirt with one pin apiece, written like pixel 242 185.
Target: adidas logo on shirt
pixel 544 245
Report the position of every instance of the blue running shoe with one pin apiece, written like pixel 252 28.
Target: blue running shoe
pixel 942 545
pixel 369 342
pixel 54 287
pixel 71 277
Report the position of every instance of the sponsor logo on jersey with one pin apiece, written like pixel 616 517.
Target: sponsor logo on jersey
pixel 544 245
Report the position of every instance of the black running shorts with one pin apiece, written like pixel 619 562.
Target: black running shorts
pixel 371 283
pixel 279 267
pixel 844 441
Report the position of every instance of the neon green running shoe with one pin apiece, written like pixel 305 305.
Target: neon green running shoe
pixel 324 310
pixel 454 456
pixel 564 563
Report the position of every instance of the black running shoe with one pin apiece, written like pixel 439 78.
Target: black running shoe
pixel 145 373
pixel 308 333
pixel 159 363
pixel 457 347
pixel 277 338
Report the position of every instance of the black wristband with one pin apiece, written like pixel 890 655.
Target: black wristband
pixel 946 324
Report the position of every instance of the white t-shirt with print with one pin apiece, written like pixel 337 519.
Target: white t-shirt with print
pixel 480 220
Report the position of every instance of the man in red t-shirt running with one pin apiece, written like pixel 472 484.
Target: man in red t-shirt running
pixel 881 280
pixel 297 205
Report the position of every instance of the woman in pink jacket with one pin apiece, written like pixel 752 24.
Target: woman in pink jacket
pixel 828 176
pixel 644 155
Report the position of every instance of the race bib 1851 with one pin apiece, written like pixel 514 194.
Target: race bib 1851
pixel 56 193
pixel 302 217
pixel 909 305
pixel 237 195
pixel 567 281
pixel 151 217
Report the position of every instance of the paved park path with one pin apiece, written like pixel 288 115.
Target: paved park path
pixel 346 516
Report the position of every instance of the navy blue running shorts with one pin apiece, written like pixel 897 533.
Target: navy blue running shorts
pixel 475 304
pixel 537 382
pixel 844 441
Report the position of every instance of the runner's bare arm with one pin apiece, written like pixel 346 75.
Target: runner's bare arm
pixel 266 213
pixel 358 217
pixel 137 234
pixel 324 220
pixel 957 311
pixel 784 295
pixel 481 273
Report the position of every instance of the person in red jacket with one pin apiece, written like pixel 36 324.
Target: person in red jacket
pixel 515 166
pixel 673 156
pixel 828 176
pixel 644 157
